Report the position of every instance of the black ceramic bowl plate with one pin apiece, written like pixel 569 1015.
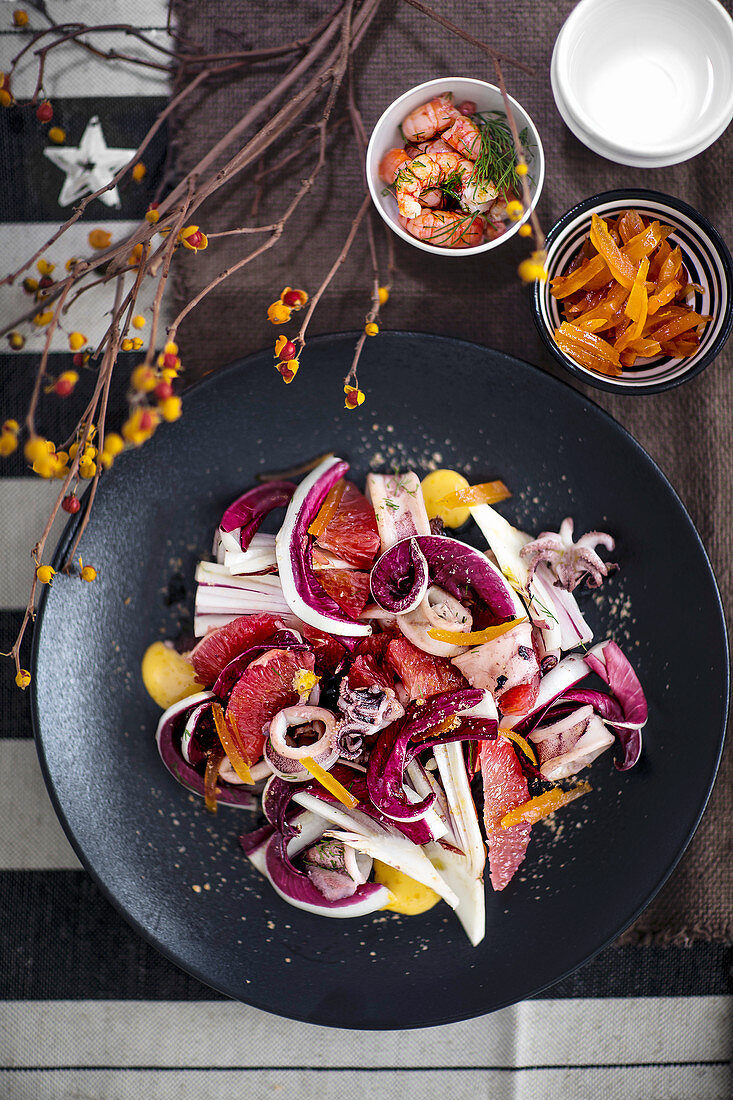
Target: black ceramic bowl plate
pixel 147 842
pixel 708 263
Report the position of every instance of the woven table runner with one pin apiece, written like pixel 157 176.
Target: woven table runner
pixel 688 431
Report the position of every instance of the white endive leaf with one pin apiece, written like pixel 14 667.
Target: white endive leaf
pixel 403 855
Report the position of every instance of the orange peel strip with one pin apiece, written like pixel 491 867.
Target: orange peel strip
pixel 523 744
pixel 488 492
pixel 328 781
pixel 328 509
pixel 543 805
pixel 473 637
pixel 227 737
pixel 619 264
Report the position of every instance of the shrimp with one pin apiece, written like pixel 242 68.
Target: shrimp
pixel 442 227
pixel 391 163
pixel 477 197
pixel 437 145
pixel 465 137
pixel 429 119
pixel 425 173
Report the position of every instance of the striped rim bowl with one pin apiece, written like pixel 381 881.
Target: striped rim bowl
pixel 708 263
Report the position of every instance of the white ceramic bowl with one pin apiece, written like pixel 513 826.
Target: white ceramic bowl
pixel 386 136
pixel 646 83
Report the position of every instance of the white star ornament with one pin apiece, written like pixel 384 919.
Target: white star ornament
pixel 89 167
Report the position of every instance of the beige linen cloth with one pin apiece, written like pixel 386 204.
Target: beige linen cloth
pixel 688 431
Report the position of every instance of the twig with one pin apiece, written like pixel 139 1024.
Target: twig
pixel 483 46
pixel 300 338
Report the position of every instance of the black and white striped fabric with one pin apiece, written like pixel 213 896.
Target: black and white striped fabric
pixel 87 1009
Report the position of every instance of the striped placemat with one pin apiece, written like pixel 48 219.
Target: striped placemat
pixel 87 1009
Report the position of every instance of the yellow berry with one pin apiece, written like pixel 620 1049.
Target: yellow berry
pixel 170 348
pixel 23 678
pixel 522 169
pixel 57 135
pixel 88 573
pixel 143 379
pixel 106 460
pixel 87 470
pixel 167 675
pixel 77 340
pixel 525 230
pixel 11 426
pixel 5 97
pixel 45 268
pixel 139 171
pixel 16 340
pixel 8 443
pixel 114 443
pixel 371 329
pixel 278 313
pixel 100 238
pixel 514 210
pixel 170 409
pixel 43 318
pixel 45 573
pixel 435 487
pixel 354 397
pixel 126 344
pixel 383 295
pixel 71 263
pixel 137 343
pixel 73 449
pixel 30 285
pixel 152 216
pixel 35 448
pixel 533 269
pixel 20 17
pixel 138 321
pixel 89 453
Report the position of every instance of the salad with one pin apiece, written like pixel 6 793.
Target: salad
pixel 392 700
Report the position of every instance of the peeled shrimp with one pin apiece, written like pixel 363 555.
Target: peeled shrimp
pixel 391 163
pixel 437 145
pixel 429 119
pixel 476 197
pixel 442 227
pixel 465 137
pixel 423 174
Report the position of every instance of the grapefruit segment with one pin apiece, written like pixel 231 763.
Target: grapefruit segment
pixel 348 587
pixel 519 699
pixel 264 688
pixel 352 532
pixel 365 672
pixel 328 650
pixel 422 673
pixel 215 650
pixel 505 787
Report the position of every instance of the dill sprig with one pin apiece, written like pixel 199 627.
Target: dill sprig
pixel 497 161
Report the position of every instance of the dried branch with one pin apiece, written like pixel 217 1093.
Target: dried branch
pixel 314 70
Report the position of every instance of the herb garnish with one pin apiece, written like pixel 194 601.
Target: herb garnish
pixel 497 161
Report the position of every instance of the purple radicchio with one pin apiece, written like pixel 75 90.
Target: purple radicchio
pixel 249 510
pixel 304 594
pixel 469 714
pixel 399 578
pixel 168 738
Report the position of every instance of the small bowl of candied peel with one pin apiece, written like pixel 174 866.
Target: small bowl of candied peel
pixel 441 166
pixel 639 295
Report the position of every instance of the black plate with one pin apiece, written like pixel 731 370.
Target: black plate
pixel 147 842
